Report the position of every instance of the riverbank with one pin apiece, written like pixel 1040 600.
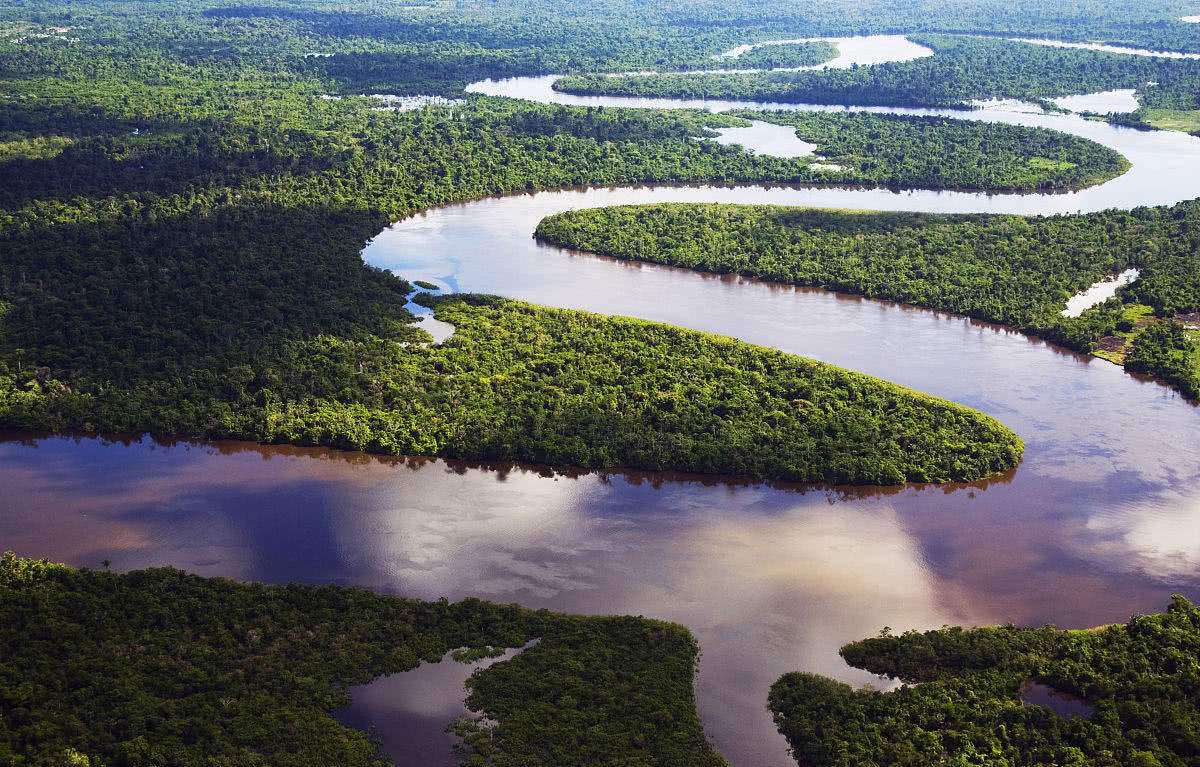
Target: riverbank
pixel 1129 696
pixel 1016 272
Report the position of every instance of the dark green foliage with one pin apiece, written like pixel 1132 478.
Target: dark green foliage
pixel 558 387
pixel 934 152
pixel 1167 351
pixel 1014 270
pixel 962 70
pixel 550 701
pixel 203 278
pixel 1141 678
pixel 156 667
pixel 777 56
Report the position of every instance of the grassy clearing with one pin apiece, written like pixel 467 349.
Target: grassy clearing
pixel 1186 120
pixel 1134 320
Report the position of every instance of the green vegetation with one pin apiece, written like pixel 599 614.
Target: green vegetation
pixel 937 152
pixel 962 70
pixel 778 56
pixel 1014 270
pixel 592 691
pixel 551 386
pixel 1168 351
pixel 184 258
pixel 158 667
pixel 1134 318
pixel 1141 678
pixel 1186 120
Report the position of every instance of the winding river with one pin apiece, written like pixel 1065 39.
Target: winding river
pixel 1101 520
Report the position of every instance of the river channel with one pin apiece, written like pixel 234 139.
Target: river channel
pixel 1101 520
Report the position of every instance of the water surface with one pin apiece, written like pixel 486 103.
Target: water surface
pixel 1104 47
pixel 408 712
pixel 1120 101
pixel 1099 293
pixel 767 138
pixel 770 578
pixel 1061 703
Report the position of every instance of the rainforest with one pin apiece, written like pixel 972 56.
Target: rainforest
pixel 530 383
pixel 1009 270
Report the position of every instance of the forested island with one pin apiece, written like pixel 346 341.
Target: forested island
pixel 1014 270
pixel 961 702
pixel 941 153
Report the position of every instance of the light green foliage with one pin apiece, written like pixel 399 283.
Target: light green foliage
pixel 1170 352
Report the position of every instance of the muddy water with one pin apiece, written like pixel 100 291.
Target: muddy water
pixel 770 579
pixel 1100 521
pixel 430 694
pixel 1061 703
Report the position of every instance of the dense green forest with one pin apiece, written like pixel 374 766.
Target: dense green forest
pixel 962 70
pixel 157 667
pixel 181 255
pixel 203 278
pixel 944 153
pixel 553 386
pixel 1014 270
pixel 805 54
pixel 961 702
pixel 436 46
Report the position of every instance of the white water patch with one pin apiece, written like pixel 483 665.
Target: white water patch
pixel 407 103
pixel 1098 293
pixel 767 138
pixel 1106 48
pixel 1104 102
pixel 403 103
pixel 1007 106
pixel 439 329
pixel 863 50
pixel 1190 19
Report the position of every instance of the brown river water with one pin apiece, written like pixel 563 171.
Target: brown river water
pixel 1100 521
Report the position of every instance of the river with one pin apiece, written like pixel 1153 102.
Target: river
pixel 1099 521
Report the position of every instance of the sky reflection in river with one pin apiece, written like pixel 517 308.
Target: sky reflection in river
pixel 769 578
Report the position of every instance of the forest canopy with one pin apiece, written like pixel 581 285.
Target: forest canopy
pixel 157 667
pixel 961 702
pixel 1014 270
pixel 963 69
